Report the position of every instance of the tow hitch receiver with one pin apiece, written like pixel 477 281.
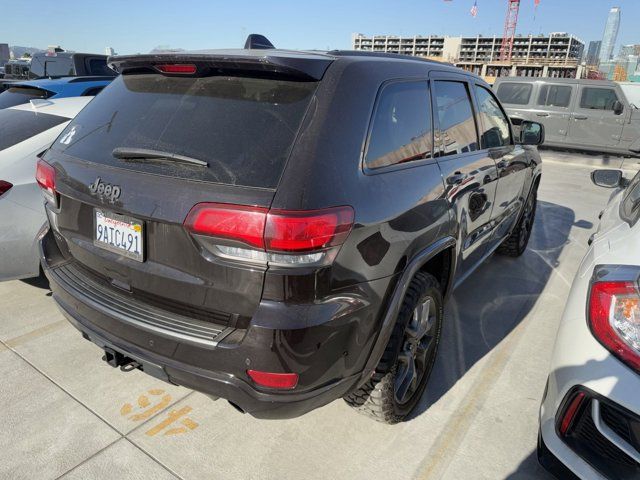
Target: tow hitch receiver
pixel 117 359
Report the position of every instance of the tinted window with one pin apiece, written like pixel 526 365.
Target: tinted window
pixel 493 121
pixel 43 66
pixel 554 96
pixel 98 66
pixel 455 118
pixel 243 128
pixel 19 95
pixel 19 125
pixel 598 98
pixel 401 129
pixel 514 93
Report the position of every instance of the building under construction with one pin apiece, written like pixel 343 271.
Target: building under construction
pixel 556 55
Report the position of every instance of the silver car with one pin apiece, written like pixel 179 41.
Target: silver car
pixel 25 132
pixel 593 115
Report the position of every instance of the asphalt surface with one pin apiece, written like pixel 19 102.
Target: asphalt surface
pixel 65 413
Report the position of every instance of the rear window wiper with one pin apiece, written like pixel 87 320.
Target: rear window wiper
pixel 145 154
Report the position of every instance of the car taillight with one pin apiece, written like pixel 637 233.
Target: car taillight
pixel 5 187
pixel 614 318
pixel 46 178
pixel 294 231
pixel 180 68
pixel 283 381
pixel 233 222
pixel 276 236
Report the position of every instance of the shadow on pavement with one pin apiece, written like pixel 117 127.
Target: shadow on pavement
pixel 496 298
pixel 530 469
pixel 38 282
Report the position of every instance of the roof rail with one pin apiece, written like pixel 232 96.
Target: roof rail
pixel 399 56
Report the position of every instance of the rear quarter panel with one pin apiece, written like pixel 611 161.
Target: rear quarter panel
pixel 397 213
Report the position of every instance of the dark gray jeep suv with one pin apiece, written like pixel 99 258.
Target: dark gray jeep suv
pixel 281 228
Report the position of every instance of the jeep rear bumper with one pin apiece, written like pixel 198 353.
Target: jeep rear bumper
pixel 329 356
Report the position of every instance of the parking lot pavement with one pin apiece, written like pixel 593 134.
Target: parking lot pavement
pixel 66 413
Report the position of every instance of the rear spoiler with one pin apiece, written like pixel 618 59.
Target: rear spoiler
pixel 302 66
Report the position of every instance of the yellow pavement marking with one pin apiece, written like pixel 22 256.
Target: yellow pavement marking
pixel 37 333
pixel 171 418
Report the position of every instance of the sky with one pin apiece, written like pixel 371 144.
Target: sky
pixel 137 26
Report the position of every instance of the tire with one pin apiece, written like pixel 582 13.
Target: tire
pixel 516 243
pixel 393 391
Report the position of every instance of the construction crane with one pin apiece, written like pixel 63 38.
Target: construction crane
pixel 510 23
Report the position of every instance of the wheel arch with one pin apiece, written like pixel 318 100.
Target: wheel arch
pixel 433 258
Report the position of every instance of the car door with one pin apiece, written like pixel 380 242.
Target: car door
pixel 553 109
pixel 496 140
pixel 469 173
pixel 593 122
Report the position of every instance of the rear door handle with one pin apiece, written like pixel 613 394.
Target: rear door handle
pixel 580 117
pixel 456 179
pixel 542 114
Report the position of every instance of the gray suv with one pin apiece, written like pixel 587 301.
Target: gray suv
pixel 590 115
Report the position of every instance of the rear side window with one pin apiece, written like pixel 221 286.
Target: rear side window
pixel 493 120
pixel 19 95
pixel 244 128
pixel 98 66
pixel 554 96
pixel 19 125
pixel 455 118
pixel 43 66
pixel 598 98
pixel 514 93
pixel 401 129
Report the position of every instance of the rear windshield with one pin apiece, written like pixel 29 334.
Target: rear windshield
pixel 514 93
pixel 19 95
pixel 19 125
pixel 242 127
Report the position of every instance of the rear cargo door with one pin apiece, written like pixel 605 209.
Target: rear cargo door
pixel 217 138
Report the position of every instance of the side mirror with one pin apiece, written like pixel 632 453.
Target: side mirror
pixel 607 178
pixel 531 133
pixel 618 107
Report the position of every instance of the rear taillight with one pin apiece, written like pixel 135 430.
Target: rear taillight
pixel 282 381
pixel 5 187
pixel 614 318
pixel 46 178
pixel 179 68
pixel 275 236
pixel 294 231
pixel 233 222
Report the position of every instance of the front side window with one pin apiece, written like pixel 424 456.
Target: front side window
pixel 514 93
pixel 401 129
pixel 598 98
pixel 493 120
pixel 455 118
pixel 554 96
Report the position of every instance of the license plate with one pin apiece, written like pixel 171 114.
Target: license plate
pixel 119 234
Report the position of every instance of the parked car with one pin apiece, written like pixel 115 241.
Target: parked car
pixel 27 131
pixel 281 229
pixel 592 115
pixel 590 413
pixel 58 63
pixel 23 92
